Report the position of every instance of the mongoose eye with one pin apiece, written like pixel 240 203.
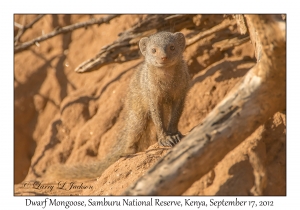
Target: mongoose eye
pixel 153 50
pixel 172 47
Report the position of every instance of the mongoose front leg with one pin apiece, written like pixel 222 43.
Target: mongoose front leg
pixel 167 138
pixel 156 110
pixel 174 136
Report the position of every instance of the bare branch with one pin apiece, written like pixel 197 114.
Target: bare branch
pixel 225 24
pixel 34 21
pixel 126 47
pixel 259 95
pixel 240 20
pixel 228 43
pixel 62 30
pixel 18 25
pixel 24 28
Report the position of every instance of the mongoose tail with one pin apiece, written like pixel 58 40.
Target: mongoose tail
pixel 84 170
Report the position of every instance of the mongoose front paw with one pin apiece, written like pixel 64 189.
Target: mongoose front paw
pixel 170 140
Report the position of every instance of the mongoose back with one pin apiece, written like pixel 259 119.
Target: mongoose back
pixel 156 95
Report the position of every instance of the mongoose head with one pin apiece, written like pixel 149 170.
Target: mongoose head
pixel 163 49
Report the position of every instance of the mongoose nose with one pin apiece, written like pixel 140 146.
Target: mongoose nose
pixel 164 58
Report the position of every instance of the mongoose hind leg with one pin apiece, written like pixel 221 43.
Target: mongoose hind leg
pixel 134 131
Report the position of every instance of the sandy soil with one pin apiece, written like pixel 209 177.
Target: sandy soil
pixel 64 117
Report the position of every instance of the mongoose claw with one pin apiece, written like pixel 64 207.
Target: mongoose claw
pixel 171 140
pixel 166 143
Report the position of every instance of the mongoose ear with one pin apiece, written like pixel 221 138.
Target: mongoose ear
pixel 142 44
pixel 180 39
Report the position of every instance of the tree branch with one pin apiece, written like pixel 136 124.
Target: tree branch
pixel 223 25
pixel 126 47
pixel 24 28
pixel 62 30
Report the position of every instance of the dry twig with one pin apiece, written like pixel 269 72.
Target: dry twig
pixel 62 30
pixel 22 28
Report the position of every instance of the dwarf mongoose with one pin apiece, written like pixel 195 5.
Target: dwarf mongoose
pixel 156 93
